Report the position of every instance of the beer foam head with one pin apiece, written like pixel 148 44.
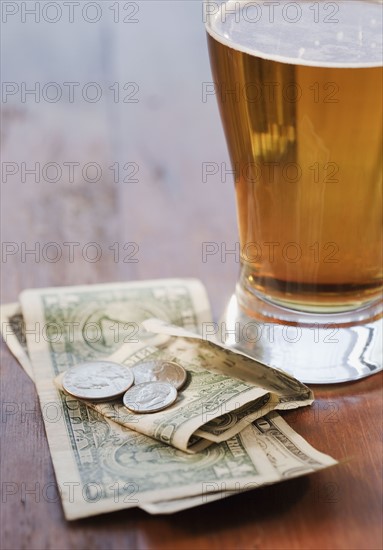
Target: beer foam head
pixel 344 33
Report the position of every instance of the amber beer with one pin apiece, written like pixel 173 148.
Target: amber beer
pixel 305 144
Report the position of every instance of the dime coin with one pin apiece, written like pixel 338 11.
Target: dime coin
pixel 161 371
pixel 98 380
pixel 150 397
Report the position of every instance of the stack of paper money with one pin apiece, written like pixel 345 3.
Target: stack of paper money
pixel 221 436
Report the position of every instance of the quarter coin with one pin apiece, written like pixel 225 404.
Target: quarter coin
pixel 160 371
pixel 98 380
pixel 150 397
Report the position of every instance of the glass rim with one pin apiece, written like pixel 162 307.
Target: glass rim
pixel 281 58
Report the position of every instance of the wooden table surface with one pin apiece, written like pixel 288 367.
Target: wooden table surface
pixel 166 216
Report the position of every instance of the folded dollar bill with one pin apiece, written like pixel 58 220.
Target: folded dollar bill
pixel 225 391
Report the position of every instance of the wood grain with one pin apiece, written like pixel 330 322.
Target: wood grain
pixel 169 213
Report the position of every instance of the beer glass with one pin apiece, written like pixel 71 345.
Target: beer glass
pixel 299 88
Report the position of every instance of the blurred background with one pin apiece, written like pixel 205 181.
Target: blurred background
pixel 109 145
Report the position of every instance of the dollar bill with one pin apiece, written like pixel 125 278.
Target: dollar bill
pixel 288 453
pixel 206 396
pixel 13 332
pixel 102 466
pixel 213 405
pixel 241 366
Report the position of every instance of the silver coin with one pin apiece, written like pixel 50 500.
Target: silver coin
pixel 98 380
pixel 160 371
pixel 150 397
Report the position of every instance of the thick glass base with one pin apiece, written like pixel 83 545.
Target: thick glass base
pixel 315 348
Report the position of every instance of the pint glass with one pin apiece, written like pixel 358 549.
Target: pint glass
pixel 299 88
